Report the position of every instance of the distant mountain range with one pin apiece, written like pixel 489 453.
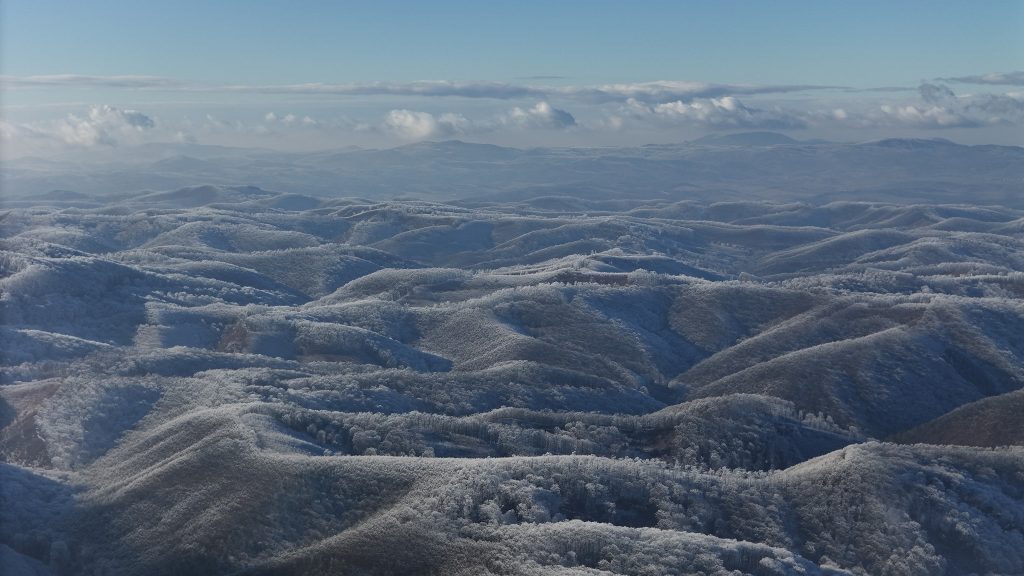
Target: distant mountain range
pixel 747 139
pixel 754 165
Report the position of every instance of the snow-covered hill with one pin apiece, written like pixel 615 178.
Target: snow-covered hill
pixel 225 379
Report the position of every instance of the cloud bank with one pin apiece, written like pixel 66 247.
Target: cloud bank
pixel 997 79
pixel 940 107
pixel 579 115
pixel 87 81
pixel 652 92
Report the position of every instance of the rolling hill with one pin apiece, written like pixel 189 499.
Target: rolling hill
pixel 223 379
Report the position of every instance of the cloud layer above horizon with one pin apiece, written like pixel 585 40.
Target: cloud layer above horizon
pixel 140 109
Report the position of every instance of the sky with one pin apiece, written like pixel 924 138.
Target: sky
pixel 319 75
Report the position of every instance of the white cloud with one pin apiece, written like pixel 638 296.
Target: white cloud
pixel 921 117
pixel 289 119
pixel 724 112
pixel 541 115
pixel 104 125
pixel 410 124
pixel 415 125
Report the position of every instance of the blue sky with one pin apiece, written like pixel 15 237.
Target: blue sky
pixel 343 70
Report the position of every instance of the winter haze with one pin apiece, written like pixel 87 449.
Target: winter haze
pixel 389 288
